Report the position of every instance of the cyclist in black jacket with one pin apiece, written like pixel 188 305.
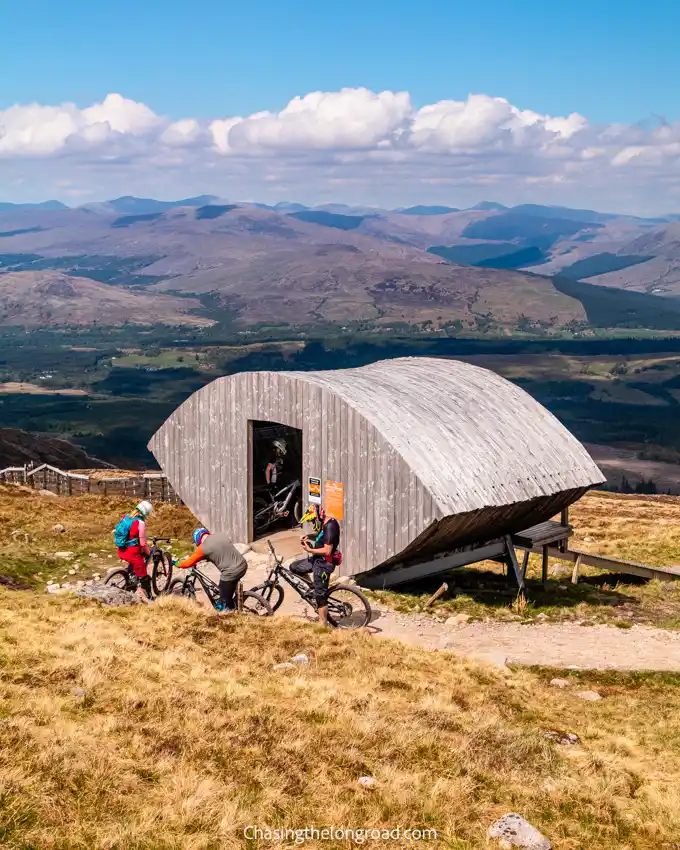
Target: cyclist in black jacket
pixel 321 552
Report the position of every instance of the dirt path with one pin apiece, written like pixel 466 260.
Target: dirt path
pixel 561 645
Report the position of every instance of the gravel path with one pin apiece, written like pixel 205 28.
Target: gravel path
pixel 560 645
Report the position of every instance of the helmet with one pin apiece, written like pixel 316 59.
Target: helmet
pixel 282 446
pixel 316 515
pixel 145 509
pixel 198 535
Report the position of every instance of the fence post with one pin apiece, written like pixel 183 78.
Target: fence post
pixel 163 489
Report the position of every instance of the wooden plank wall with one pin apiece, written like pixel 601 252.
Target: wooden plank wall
pixel 203 449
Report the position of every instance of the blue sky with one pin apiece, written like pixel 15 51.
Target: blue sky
pixel 610 61
pixel 371 102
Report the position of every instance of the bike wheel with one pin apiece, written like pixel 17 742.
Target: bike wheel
pixel 179 587
pixel 297 513
pixel 161 574
pixel 120 579
pixel 256 605
pixel 262 514
pixel 348 608
pixel 273 594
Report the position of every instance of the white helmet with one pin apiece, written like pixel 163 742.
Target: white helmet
pixel 145 509
pixel 281 446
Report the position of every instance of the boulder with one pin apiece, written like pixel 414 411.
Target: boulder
pixel 300 659
pixel 560 683
pixel 367 782
pixel 286 665
pixel 65 556
pixel 58 528
pixel 108 595
pixel 514 831
pixel 589 696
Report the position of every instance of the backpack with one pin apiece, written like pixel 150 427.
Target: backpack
pixel 121 533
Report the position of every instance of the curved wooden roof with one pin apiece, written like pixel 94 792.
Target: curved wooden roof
pixel 433 454
pixel 473 438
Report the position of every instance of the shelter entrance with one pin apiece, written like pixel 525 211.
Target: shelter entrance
pixel 275 477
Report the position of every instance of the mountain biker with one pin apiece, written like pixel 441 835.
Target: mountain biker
pixel 272 470
pixel 130 538
pixel 322 555
pixel 221 552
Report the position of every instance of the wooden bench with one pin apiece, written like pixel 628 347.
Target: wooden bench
pixel 540 538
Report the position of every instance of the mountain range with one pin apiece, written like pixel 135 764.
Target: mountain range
pixel 184 261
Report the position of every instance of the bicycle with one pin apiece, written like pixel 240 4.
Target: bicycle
pixel 280 505
pixel 248 601
pixel 351 612
pixel 161 573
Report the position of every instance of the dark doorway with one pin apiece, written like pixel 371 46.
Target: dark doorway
pixel 276 472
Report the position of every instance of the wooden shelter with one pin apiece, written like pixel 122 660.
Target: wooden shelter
pixel 422 456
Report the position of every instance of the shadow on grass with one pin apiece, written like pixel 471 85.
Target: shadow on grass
pixel 495 590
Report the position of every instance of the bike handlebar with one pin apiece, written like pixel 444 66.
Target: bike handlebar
pixel 155 540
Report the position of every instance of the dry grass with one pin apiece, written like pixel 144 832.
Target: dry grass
pixel 27 541
pixel 633 528
pixel 156 728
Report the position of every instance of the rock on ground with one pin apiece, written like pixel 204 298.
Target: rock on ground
pixel 514 831
pixel 108 595
pixel 589 696
pixel 566 738
pixel 559 683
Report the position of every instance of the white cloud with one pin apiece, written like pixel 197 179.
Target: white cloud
pixel 381 146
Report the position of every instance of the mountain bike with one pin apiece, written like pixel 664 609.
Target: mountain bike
pixel 161 572
pixel 248 601
pixel 348 608
pixel 273 507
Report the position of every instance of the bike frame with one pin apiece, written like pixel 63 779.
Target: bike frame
pixel 300 585
pixel 208 585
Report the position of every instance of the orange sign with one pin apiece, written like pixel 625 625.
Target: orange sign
pixel 334 499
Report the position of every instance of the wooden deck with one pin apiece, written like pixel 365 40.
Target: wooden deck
pixel 550 539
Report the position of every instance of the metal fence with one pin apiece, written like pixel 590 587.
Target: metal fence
pixel 143 485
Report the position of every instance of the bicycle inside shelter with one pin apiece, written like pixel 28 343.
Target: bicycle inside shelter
pixel 265 437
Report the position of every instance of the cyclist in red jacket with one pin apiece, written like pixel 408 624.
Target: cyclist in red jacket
pixel 133 548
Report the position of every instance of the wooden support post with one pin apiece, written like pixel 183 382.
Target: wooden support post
pixel 544 566
pixel 564 520
pixel 576 570
pixel 435 596
pixel 239 597
pixel 525 562
pixel 512 561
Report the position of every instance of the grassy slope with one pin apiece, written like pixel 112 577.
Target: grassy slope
pixel 159 728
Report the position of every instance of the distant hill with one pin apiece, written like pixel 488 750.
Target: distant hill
pixel 43 205
pixel 130 205
pixel 18 448
pixel 423 210
pixel 564 213
pixel 329 219
pixel 249 265
pixel 489 205
pixel 530 230
pixel 50 298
